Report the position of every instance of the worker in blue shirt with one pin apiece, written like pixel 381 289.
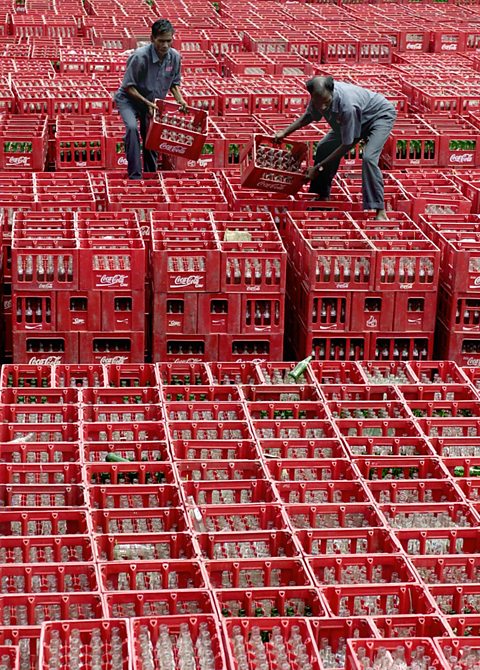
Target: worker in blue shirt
pixel 152 71
pixel 354 114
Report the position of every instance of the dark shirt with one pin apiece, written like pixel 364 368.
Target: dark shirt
pixel 351 111
pixel 151 77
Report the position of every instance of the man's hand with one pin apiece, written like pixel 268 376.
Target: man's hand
pixel 183 106
pixel 312 172
pixel 152 108
pixel 278 137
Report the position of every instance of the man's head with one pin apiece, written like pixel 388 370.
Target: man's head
pixel 321 92
pixel 162 36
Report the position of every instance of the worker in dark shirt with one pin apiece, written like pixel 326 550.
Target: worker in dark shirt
pixel 354 114
pixel 152 71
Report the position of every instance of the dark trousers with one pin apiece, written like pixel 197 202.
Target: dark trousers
pixel 372 179
pixel 131 116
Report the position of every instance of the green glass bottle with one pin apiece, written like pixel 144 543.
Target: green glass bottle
pixel 300 367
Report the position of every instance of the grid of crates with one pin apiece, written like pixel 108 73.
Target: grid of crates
pixel 239 512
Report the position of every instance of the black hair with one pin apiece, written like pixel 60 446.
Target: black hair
pixel 320 84
pixel 162 26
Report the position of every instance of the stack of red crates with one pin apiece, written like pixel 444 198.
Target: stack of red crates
pixel 219 286
pixel 458 237
pixel 360 288
pixel 77 287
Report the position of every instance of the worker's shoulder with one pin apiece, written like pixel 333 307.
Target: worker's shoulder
pixel 142 52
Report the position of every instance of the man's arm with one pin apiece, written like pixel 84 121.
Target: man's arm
pixel 339 152
pixel 177 94
pixel 301 122
pixel 136 96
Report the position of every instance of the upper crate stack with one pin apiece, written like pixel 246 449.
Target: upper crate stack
pixel 218 281
pixel 360 288
pixel 77 287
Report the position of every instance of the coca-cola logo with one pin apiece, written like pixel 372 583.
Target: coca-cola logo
pixel 472 362
pixel 449 47
pixel 145 231
pixel 371 322
pixel 253 288
pixel 172 148
pixel 476 281
pixel 122 161
pixel 187 360
pixel 406 286
pixel 113 360
pixel 7 304
pixel 81 163
pixel 414 45
pixel 48 360
pixel 112 280
pixel 18 160
pixel 270 185
pixel 250 360
pixel 461 158
pixel 174 324
pixel 33 326
pixel 190 280
pixel 47 286
pixel 76 321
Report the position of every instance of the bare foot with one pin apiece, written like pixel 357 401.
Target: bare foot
pixel 381 215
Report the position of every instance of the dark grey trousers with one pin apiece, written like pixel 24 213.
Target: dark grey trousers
pixel 372 179
pixel 131 116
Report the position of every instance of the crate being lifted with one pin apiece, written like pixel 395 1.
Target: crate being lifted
pixel 273 166
pixel 177 133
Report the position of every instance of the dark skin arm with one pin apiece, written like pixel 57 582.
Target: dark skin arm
pixel 337 153
pixel 301 122
pixel 136 96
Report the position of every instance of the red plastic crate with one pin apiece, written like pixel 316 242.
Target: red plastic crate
pixel 39 522
pixel 335 394
pixel 308 470
pixel 141 497
pixel 166 520
pixel 349 515
pixel 377 600
pixel 215 451
pixel 171 133
pixel 336 372
pixel 330 447
pixel 63 550
pixel 457 599
pixel 44 473
pixel 23 142
pixel 447 569
pixel 362 569
pixel 403 468
pixel 178 631
pixel 256 173
pixel 260 544
pixel 244 637
pixel 281 393
pixel 416 491
pixel 293 429
pixel 371 651
pixel 428 625
pixel 219 470
pixel 319 492
pixel 354 541
pixel 228 492
pixel 156 547
pixel 388 446
pixel 151 575
pixel 255 573
pixel 269 602
pixel 34 610
pixel 227 519
pixel 113 642
pixel 158 603
pixel 70 578
pixel 57 496
pixel 427 515
pixel 151 473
